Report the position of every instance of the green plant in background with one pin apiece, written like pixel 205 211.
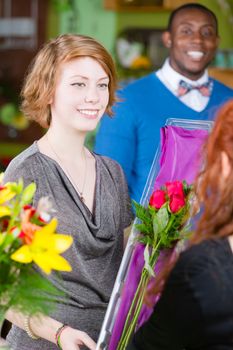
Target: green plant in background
pixel 90 139
pixel 70 8
pixel 131 58
pixel 63 5
pixel 10 115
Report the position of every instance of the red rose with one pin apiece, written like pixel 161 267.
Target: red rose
pixel 157 199
pixel 175 188
pixel 176 194
pixel 176 203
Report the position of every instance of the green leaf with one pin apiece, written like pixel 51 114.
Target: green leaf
pixel 17 187
pixel 145 240
pixel 144 215
pixel 28 193
pixel 187 188
pixel 142 228
pixel 20 185
pixel 39 297
pixel 160 220
pixel 152 210
pixel 147 261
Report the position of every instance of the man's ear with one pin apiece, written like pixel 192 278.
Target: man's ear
pixel 166 39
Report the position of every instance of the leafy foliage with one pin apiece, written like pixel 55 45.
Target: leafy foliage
pixel 27 240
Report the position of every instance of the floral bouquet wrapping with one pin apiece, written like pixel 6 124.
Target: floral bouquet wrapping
pixel 28 243
pixel 161 225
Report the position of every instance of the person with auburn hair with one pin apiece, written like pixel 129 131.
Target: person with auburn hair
pixel 70 85
pixel 195 309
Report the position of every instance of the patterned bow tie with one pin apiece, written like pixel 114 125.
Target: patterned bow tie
pixel 204 89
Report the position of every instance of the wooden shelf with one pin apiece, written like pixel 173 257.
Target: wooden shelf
pixel 168 5
pixel 225 75
pixel 135 9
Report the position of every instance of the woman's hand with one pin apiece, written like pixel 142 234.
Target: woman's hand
pixel 46 327
pixel 72 339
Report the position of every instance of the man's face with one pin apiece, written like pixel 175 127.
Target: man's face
pixel 193 41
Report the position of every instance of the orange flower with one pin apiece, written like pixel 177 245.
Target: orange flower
pixel 141 62
pixel 45 249
pixel 27 228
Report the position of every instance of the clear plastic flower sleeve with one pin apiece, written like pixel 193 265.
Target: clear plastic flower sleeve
pixel 177 158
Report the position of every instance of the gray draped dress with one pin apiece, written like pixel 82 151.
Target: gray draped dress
pixel 97 250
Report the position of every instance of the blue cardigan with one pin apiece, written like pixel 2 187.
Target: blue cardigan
pixel 132 136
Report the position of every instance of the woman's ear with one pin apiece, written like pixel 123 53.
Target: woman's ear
pixel 166 39
pixel 226 167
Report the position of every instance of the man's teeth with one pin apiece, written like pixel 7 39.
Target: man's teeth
pixel 88 112
pixel 195 54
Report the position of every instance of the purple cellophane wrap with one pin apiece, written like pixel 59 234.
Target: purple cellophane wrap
pixel 180 154
pixel 180 160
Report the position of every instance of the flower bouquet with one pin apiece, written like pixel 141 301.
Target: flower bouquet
pixel 28 243
pixel 163 223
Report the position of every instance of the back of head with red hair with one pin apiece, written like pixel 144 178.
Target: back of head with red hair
pixel 215 192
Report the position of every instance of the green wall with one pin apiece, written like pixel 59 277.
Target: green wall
pixel 225 26
pixel 53 21
pixel 146 20
pixel 159 20
pixel 94 20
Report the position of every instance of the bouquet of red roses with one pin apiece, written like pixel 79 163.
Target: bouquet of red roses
pixel 163 223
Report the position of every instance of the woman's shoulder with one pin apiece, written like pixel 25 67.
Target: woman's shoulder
pixel 112 165
pixel 20 165
pixel 201 257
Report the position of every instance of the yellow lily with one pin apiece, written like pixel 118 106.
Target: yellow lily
pixel 45 248
pixel 6 193
pixel 4 211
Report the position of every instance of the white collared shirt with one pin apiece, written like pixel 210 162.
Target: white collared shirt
pixel 170 78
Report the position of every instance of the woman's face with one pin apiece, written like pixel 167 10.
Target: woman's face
pixel 81 95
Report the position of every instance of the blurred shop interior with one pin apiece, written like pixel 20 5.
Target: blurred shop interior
pixel 129 29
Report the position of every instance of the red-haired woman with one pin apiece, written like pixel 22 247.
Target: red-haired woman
pixel 69 86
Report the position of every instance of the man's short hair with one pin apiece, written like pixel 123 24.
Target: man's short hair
pixel 191 6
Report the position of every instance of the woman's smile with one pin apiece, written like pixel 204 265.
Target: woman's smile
pixel 89 113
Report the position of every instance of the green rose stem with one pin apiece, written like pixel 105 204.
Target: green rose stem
pixel 132 326
pixel 133 309
pixel 136 305
pixel 137 302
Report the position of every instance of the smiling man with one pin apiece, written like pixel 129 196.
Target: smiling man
pixel 180 89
